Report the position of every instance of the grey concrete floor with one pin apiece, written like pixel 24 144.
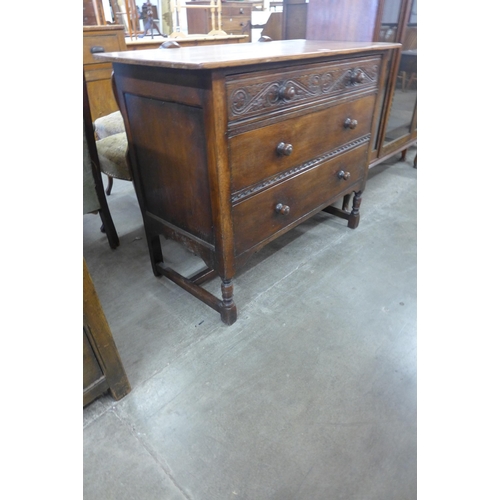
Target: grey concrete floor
pixel 310 395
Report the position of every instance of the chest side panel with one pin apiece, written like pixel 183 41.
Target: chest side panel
pixel 172 158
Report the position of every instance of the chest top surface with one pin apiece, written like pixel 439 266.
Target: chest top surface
pixel 226 56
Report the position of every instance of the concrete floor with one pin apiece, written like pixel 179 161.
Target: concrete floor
pixel 310 395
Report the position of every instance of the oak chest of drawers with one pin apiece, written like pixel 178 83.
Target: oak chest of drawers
pixel 232 146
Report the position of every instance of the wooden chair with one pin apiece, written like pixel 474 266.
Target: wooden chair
pixel 112 146
pixel 94 199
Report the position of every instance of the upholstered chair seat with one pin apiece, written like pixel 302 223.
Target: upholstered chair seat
pixel 109 125
pixel 112 152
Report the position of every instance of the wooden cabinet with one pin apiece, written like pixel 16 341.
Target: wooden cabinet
pixel 102 366
pixel 398 117
pixel 266 135
pixel 235 17
pixel 99 39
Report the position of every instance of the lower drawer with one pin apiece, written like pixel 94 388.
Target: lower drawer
pixel 259 217
pixel 233 25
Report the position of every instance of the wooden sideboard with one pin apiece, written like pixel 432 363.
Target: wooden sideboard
pixel 231 149
pixel 99 39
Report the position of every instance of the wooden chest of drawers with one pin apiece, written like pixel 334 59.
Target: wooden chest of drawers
pixel 235 17
pixel 232 147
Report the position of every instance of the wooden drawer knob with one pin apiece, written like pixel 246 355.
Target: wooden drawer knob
pixel 282 209
pixel 358 76
pixel 284 149
pixel 286 92
pixel 350 123
pixel 343 175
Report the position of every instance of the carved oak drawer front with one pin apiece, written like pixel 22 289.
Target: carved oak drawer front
pixel 266 151
pixel 271 91
pixel 261 216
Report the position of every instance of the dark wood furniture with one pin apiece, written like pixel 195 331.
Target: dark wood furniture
pixel 230 149
pixel 93 13
pixel 102 366
pixel 289 24
pixel 99 39
pixel 294 16
pixel 348 20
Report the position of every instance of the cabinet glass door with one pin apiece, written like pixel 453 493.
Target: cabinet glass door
pixel 399 23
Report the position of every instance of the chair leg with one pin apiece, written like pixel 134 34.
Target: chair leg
pixel 413 78
pixel 403 81
pixel 108 227
pixel 110 185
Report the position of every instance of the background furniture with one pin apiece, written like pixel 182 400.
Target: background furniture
pixel 236 17
pixel 112 147
pixel 283 133
pixel 187 41
pixel 99 39
pixel 93 13
pixel 102 366
pixel 94 199
pixel 397 21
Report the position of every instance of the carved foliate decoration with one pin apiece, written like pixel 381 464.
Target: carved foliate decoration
pixel 250 97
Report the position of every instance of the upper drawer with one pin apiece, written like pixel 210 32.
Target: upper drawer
pixel 108 42
pixel 236 10
pixel 262 152
pixel 270 92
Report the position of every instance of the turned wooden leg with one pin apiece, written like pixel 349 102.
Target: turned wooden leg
pixel 403 154
pixel 228 312
pixel 353 220
pixel 110 185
